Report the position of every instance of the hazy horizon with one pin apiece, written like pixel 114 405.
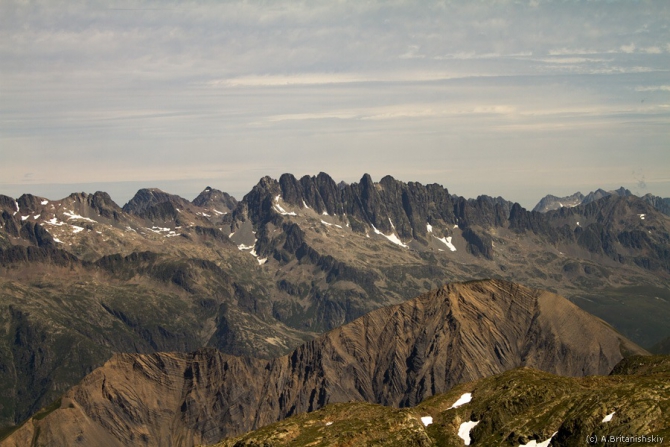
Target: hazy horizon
pixel 517 99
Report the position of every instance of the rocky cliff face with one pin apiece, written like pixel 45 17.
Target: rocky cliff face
pixel 396 356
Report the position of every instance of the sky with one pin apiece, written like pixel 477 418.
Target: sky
pixel 506 98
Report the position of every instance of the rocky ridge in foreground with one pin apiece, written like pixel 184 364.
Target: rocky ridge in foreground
pixel 395 356
pixel 511 409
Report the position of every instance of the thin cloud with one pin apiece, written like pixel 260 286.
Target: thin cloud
pixel 653 88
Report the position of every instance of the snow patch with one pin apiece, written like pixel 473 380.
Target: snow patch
pixel 280 209
pixel 534 443
pixel 464 399
pixel 44 202
pixel 642 216
pixel 76 229
pixel 219 212
pixel 58 240
pixel 231 234
pixel 429 228
pixel 577 223
pixel 391 222
pixel 54 221
pixel 427 420
pixel 253 253
pixel 455 226
pixel 608 417
pixel 464 430
pixel 392 237
pixel 304 205
pixel 446 241
pixel 37 216
pixel 76 216
pixel 329 423
pixel 325 213
pixel 283 212
pixel 330 224
pixel 24 217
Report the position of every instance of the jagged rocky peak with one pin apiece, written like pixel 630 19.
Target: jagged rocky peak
pixel 372 206
pixel 257 204
pixel 390 206
pixel 600 193
pixel 142 199
pixel 30 203
pixel 611 209
pixel 319 193
pixel 551 202
pixel 8 204
pixel 215 199
pixel 416 213
pixel 156 205
pixel 148 197
pixel 99 203
pixel 102 201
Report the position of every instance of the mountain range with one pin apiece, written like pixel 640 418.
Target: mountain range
pixel 82 278
pixel 551 202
